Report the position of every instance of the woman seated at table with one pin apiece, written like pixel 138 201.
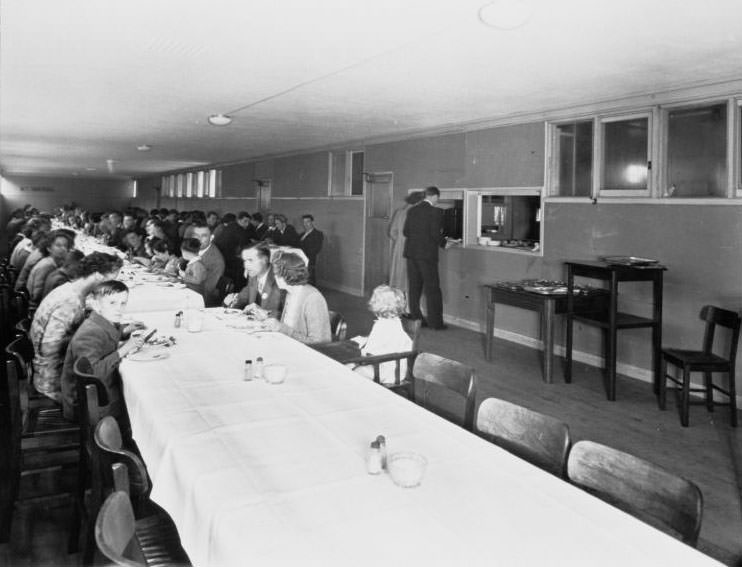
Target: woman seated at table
pixel 54 250
pixel 194 274
pixel 387 334
pixel 305 316
pixel 163 262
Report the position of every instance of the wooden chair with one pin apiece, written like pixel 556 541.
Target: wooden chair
pixel 539 439
pixel 23 327
pixel 433 374
pixel 136 543
pixel 403 384
pixel 35 440
pixel 644 490
pixel 338 326
pixel 705 361
pixel 110 446
pixel 92 399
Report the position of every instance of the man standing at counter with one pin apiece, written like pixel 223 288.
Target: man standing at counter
pixel 423 228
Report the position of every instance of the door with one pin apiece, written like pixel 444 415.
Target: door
pixel 377 245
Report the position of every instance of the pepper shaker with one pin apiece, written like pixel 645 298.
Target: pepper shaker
pixel 381 440
pixel 248 373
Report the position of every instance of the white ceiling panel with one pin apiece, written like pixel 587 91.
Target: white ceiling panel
pixel 84 81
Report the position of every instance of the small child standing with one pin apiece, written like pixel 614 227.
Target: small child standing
pixel 99 340
pixel 387 335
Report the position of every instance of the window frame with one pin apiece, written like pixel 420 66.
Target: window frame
pixel 732 155
pixel 346 188
pixel 599 144
pixel 552 153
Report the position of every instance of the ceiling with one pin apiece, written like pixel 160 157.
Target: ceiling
pixel 84 82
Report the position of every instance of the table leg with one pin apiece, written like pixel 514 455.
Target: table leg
pixel 610 355
pixel 570 326
pixel 489 330
pixel 547 335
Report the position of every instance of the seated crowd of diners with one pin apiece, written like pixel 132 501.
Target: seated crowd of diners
pixel 79 302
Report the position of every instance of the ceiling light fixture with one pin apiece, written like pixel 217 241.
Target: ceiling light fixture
pixel 144 148
pixel 220 120
pixel 506 14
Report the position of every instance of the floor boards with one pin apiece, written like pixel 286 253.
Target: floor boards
pixel 709 452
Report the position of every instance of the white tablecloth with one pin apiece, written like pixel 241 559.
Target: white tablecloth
pixel 154 297
pixel 259 474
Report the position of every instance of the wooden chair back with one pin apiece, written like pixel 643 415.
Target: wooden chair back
pixel 338 326
pixel 109 442
pixel 432 373
pixel 17 381
pixel 23 327
pixel 718 317
pixel 115 531
pixel 639 488
pixel 539 439
pixel 395 357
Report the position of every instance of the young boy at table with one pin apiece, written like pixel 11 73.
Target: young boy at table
pixel 99 340
pixel 194 275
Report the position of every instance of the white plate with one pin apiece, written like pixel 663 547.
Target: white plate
pixel 147 355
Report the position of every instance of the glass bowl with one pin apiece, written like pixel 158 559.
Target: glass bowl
pixel 406 468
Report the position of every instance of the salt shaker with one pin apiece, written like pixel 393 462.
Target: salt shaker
pixel 373 459
pixel 248 373
pixel 258 370
pixel 382 449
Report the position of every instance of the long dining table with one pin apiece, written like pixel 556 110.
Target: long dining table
pixel 254 473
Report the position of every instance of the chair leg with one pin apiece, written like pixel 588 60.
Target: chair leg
pixel 685 398
pixel 662 384
pixel 8 496
pixel 733 397
pixel 709 391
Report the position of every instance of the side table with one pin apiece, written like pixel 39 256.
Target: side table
pixel 547 304
pixel 611 320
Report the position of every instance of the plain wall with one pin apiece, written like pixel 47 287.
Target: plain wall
pixel 699 243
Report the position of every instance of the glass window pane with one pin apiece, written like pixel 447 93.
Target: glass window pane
pixel 575 165
pixel 214 180
pixel 200 184
pixel 697 152
pixel 189 185
pixel 625 144
pixel 356 176
pixel 179 188
pixel 337 173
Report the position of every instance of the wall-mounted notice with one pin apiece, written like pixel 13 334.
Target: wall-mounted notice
pixel 38 189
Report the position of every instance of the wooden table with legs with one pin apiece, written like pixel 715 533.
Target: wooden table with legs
pixel 548 303
pixel 611 320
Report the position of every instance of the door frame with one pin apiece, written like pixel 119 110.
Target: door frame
pixel 367 177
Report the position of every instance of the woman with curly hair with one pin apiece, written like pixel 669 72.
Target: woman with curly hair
pixel 305 316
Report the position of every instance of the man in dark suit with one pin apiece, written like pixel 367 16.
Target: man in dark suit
pixel 423 229
pixel 311 242
pixel 234 236
pixel 284 234
pixel 259 226
pixel 212 260
pixel 261 289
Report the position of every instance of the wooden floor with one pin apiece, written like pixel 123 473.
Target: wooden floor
pixel 709 452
